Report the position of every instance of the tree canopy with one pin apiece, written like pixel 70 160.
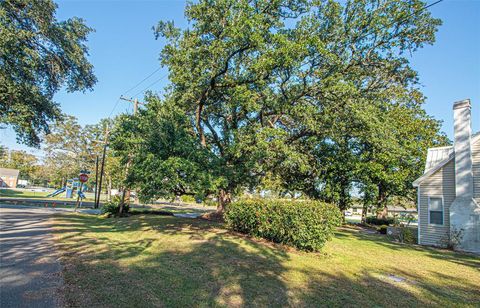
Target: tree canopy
pixel 39 55
pixel 26 163
pixel 166 159
pixel 316 94
pixel 71 147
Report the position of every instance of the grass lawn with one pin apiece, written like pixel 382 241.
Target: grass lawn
pixel 174 209
pixel 152 261
pixel 14 193
pixel 30 194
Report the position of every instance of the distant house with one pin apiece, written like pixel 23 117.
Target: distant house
pixel 449 189
pixel 8 177
pixel 357 210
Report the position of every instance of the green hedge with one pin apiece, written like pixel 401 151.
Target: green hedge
pixel 372 220
pixel 306 225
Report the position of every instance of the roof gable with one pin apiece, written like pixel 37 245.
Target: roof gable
pixel 439 157
pixel 9 172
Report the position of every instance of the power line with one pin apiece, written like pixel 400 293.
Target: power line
pixel 158 80
pixel 406 17
pixel 135 86
pixel 115 106
pixel 362 36
pixel 153 83
pixel 142 81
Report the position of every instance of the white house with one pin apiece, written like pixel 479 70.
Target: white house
pixel 449 189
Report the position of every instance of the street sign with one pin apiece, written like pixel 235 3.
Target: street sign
pixel 83 177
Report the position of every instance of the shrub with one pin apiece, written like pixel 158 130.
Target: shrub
pixel 187 199
pixel 452 240
pixel 147 211
pixel 406 235
pixel 372 220
pixel 402 234
pixel 306 225
pixel 111 207
pixel 382 229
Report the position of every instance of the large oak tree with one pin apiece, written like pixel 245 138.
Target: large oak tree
pixel 38 56
pixel 284 86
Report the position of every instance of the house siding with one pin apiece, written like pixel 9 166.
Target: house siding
pixel 442 184
pixel 439 184
pixel 476 170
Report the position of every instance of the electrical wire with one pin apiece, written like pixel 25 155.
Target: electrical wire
pixel 135 86
pixel 402 20
pixel 153 83
pixel 142 81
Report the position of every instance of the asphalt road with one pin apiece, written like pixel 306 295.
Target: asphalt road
pixel 29 270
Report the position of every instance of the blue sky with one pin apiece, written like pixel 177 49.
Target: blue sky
pixel 124 51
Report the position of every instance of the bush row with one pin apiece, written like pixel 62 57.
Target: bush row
pixel 306 225
pixel 372 220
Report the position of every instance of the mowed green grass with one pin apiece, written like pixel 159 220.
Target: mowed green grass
pixel 13 193
pixel 29 194
pixel 156 261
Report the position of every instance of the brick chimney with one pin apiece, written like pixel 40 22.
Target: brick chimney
pixel 464 211
pixel 462 147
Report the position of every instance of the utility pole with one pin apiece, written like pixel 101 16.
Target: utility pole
pixel 135 103
pixel 99 190
pixel 126 193
pixel 96 180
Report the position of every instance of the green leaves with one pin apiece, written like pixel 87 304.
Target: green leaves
pixel 315 95
pixel 166 159
pixel 306 225
pixel 21 160
pixel 39 55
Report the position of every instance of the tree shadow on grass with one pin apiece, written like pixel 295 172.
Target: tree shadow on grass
pixel 182 263
pixel 213 268
pixel 466 259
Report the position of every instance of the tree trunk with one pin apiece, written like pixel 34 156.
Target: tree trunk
pixel 127 195
pixel 124 190
pixel 224 198
pixel 344 197
pixel 364 212
pixel 122 202
pixel 382 210
pixel 109 189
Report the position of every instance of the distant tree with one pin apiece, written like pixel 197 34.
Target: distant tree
pixel 64 151
pixel 38 55
pixel 21 160
pixel 3 152
pixel 71 147
pixel 392 153
pixel 42 176
pixel 113 173
pixel 380 147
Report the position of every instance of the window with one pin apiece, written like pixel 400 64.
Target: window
pixel 435 210
pixel 354 209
